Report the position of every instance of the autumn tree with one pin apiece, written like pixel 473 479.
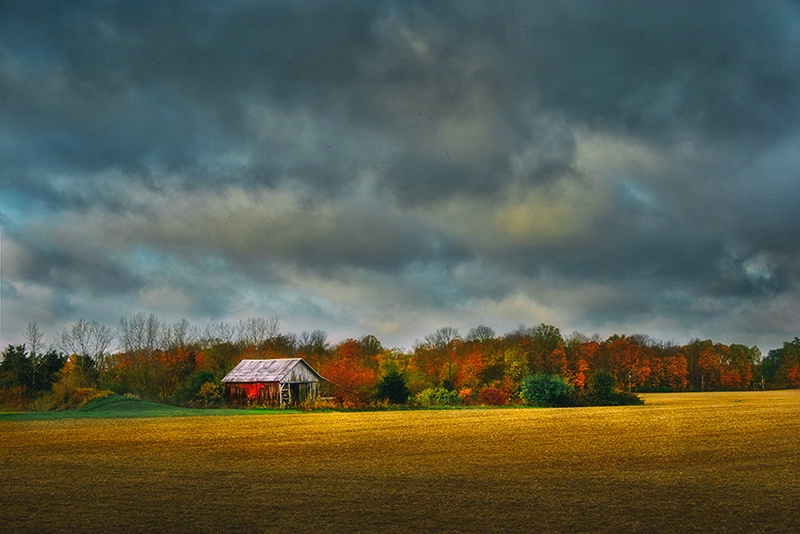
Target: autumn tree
pixel 578 374
pixel 627 358
pixel 139 336
pixel 577 364
pixel 709 365
pixel 473 365
pixel 437 356
pixel 781 367
pixel 542 346
pixel 676 372
pixel 485 359
pixel 739 362
pixel 352 381
pixel 547 353
pixel 76 381
pixel 444 343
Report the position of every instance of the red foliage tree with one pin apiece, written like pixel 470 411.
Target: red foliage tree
pixel 711 369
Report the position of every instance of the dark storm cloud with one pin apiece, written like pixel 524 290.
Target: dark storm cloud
pixel 165 85
pixel 670 68
pixel 163 82
pixel 641 154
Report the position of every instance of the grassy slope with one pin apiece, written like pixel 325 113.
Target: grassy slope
pixel 682 462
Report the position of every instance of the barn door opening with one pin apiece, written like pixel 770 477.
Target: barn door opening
pixel 295 389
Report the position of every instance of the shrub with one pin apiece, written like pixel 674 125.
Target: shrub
pixel 13 399
pixel 210 394
pixel 492 396
pixel 438 396
pixel 546 390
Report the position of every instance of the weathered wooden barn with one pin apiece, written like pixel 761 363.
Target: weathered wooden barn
pixel 273 383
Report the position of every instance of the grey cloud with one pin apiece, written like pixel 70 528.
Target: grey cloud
pixel 50 264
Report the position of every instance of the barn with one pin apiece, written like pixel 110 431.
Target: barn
pixel 273 383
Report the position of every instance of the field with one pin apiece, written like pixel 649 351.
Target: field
pixel 722 462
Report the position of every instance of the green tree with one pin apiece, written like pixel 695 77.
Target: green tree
pixel 23 375
pixel 392 387
pixel 602 385
pixel 603 391
pixel 15 368
pixel 45 369
pixel 191 386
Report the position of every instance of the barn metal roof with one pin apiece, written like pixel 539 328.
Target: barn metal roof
pixel 281 370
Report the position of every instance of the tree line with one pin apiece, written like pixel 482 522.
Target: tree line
pixel 182 364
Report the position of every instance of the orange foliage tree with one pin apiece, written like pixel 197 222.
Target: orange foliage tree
pixel 352 381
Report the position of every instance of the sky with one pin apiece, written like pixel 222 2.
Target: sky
pixel 390 168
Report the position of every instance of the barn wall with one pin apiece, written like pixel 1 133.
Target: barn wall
pixel 253 394
pixel 268 394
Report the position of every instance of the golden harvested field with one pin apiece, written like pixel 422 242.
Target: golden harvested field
pixel 723 462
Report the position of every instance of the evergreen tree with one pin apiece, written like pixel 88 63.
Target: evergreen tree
pixel 393 387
